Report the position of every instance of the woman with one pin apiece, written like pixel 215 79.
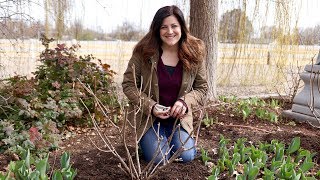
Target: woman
pixel 164 79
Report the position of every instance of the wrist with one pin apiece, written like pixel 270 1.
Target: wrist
pixel 153 109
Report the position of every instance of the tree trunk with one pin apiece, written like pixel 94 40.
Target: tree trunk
pixel 204 25
pixel 46 21
pixel 60 8
pixel 60 19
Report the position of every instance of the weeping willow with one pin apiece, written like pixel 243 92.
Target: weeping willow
pixel 260 45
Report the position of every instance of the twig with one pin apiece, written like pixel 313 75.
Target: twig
pixel 100 104
pixel 106 140
pixel 131 164
pixel 241 126
pixel 54 163
pixel 106 151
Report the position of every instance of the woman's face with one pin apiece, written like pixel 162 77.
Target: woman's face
pixel 170 31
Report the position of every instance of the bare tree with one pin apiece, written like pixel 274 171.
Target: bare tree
pixel 60 8
pixel 127 32
pixel 310 35
pixel 204 25
pixel 77 28
pixel 12 13
pixel 235 27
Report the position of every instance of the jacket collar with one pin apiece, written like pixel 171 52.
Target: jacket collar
pixel 185 76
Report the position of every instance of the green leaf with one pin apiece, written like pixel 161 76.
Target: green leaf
pixel 260 113
pixel 294 146
pixel 297 177
pixel 57 175
pixel 221 165
pixel 27 159
pixel 204 156
pixel 268 175
pixel 12 166
pixel 34 175
pixel 318 174
pixel 23 171
pixel 65 160
pixel 275 165
pixel 273 117
pixel 235 158
pixel 274 104
pixel 230 166
pixel 235 148
pixel 287 170
pixel 308 178
pixel 6 176
pixel 301 154
pixel 246 112
pixel 253 172
pixel 212 177
pixel 41 166
pixel 241 177
pixel 74 173
pixel 215 171
pixel 279 152
pixel 306 166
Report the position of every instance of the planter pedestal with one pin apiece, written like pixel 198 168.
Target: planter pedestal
pixel 306 104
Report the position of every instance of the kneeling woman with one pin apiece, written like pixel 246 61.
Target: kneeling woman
pixel 166 70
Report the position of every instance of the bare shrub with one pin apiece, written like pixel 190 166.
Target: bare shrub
pixel 130 162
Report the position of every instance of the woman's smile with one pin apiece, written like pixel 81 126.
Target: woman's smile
pixel 170 31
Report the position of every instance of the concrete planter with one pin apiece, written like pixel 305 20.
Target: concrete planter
pixel 306 104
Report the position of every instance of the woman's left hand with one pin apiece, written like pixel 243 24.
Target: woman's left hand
pixel 178 110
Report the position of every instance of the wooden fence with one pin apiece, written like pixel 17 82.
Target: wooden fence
pixel 251 62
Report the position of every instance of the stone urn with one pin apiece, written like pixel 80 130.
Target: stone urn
pixel 306 104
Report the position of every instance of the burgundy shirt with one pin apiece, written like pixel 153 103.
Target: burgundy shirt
pixel 169 84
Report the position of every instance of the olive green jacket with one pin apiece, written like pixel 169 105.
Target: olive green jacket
pixel 140 85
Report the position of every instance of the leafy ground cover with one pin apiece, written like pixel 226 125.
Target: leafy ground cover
pixel 94 164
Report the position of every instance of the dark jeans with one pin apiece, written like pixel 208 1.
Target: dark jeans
pixel 150 143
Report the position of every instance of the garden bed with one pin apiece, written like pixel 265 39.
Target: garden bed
pixel 94 164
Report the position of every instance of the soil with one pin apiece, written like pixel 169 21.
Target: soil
pixel 94 164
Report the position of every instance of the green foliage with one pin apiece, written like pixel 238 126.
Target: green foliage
pixel 204 156
pixel 318 174
pixel 209 121
pixel 251 107
pixel 268 161
pixel 231 99
pixel 40 137
pixel 232 163
pixel 32 109
pixel 29 168
pixel 223 153
pixel 214 174
pixel 294 146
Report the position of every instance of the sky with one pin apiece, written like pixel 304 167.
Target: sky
pixel 106 15
pixel 111 13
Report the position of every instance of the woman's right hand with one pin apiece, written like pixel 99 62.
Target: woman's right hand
pixel 160 113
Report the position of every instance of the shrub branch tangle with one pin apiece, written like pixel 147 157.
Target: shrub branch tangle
pixel 133 167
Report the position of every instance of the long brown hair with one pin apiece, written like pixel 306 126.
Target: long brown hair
pixel 191 50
